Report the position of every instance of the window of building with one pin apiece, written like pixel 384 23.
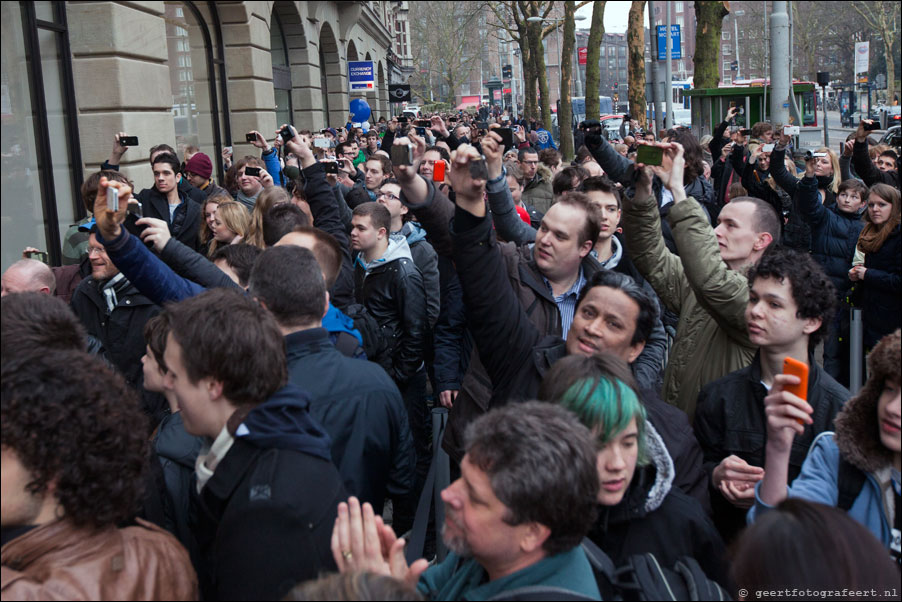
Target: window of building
pixel 678 7
pixel 195 100
pixel 725 35
pixel 727 49
pixel 281 72
pixel 39 142
pixel 726 66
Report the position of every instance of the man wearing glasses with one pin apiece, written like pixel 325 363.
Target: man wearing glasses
pixel 536 189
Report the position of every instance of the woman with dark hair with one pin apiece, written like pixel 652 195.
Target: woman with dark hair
pixel 877 266
pixel 857 467
pixel 639 509
pixel 801 545
pixel 694 181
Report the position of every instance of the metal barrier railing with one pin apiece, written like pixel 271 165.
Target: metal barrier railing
pixel 856 351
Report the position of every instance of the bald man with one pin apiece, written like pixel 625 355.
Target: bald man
pixel 28 276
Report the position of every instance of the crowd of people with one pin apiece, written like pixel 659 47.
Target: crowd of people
pixel 226 391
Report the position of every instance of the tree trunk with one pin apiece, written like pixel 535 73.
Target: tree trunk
pixel 635 42
pixel 593 56
pixel 565 112
pixel 709 23
pixel 538 62
pixel 529 81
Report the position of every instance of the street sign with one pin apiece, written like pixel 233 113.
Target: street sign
pixel 862 54
pixel 675 51
pixel 360 75
pixel 399 92
pixel 582 55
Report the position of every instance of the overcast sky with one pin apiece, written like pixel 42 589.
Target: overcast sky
pixel 615 16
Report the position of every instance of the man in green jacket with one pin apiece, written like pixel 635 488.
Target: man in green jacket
pixel 706 284
pixel 508 525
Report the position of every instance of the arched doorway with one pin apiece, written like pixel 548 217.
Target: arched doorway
pixel 332 81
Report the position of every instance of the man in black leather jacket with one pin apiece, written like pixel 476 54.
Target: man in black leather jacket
pixel 391 287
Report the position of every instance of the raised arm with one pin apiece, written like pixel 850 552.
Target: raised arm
pixel 146 271
pixel 723 291
pixel 504 215
pixel 501 330
pixel 783 178
pixel 645 243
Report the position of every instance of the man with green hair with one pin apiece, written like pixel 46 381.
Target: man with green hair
pixel 639 509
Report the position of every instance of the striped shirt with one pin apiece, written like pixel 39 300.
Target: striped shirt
pixel 566 302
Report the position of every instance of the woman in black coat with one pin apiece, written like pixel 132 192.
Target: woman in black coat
pixel 877 266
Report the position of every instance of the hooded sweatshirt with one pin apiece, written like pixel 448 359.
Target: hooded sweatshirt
pixel 397 249
pixel 654 517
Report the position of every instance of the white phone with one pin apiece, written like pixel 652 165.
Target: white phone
pixel 791 130
pixel 767 148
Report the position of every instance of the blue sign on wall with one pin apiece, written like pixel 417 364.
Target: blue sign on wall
pixel 360 74
pixel 675 51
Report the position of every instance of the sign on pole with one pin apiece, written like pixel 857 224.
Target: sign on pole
pixel 582 55
pixel 675 50
pixel 862 54
pixel 399 93
pixel 360 74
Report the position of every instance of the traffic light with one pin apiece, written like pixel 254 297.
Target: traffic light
pixel 507 71
pixel 615 85
pixel 734 66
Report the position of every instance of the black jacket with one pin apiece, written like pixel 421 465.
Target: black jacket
pixel 452 342
pixel 265 517
pixel 324 206
pixel 834 233
pixel 798 226
pixel 177 451
pixel 730 420
pixel 868 172
pixel 185 222
pixel 392 290
pixel 653 517
pixel 880 290
pixel 672 424
pixel 362 411
pixel 121 333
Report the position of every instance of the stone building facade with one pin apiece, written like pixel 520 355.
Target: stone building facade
pixel 183 73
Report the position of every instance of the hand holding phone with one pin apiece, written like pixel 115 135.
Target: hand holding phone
pixel 128 140
pixel 791 130
pixel 800 369
pixel 649 155
pixel 251 137
pixel 252 171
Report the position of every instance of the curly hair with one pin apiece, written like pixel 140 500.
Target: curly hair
pixel 812 290
pixel 80 428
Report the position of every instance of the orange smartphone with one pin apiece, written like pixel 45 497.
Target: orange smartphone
pixel 800 369
pixel 438 171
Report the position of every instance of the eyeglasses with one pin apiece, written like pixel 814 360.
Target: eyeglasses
pixel 389 196
pixel 96 250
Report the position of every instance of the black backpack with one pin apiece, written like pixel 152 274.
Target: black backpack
pixel 849 484
pixel 641 578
